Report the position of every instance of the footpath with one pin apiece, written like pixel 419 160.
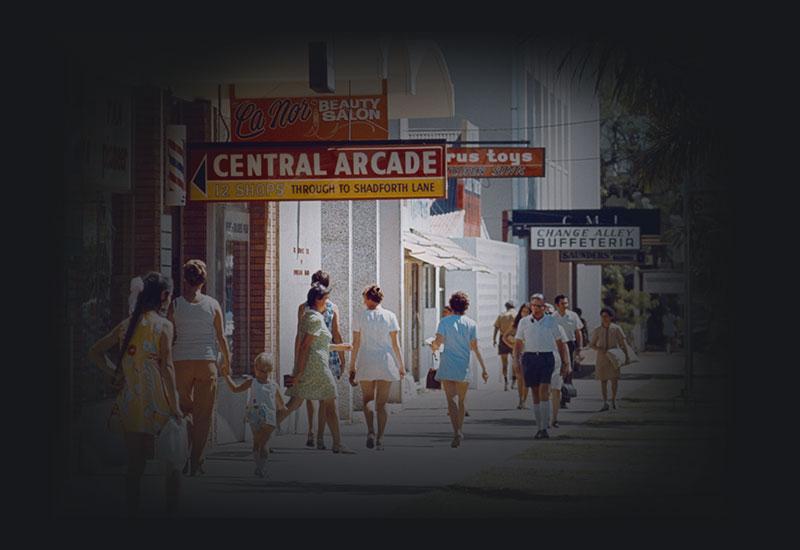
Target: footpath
pixel 654 456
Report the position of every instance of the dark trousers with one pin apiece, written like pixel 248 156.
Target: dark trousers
pixel 568 378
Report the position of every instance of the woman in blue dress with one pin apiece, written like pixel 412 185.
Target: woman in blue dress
pixel 458 333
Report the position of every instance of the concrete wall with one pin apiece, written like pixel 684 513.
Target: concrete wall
pixel 585 181
pixel 337 260
pixel 300 256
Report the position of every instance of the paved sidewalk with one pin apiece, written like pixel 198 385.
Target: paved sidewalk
pixel 497 466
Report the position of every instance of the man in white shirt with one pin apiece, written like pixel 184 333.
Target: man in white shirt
pixel 572 325
pixel 537 337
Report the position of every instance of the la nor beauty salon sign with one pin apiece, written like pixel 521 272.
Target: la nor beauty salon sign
pixel 585 238
pixel 330 118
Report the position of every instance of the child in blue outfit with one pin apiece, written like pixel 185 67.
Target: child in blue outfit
pixel 263 403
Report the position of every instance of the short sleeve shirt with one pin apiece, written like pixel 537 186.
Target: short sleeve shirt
pixel 375 326
pixel 505 322
pixel 458 332
pixel 570 322
pixel 538 336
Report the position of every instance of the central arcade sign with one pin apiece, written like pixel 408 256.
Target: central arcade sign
pixel 226 172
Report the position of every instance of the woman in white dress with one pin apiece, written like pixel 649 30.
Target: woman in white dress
pixel 375 333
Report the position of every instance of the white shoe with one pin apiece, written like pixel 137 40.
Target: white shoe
pixel 343 449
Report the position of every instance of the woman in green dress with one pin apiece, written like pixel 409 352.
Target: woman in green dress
pixel 313 379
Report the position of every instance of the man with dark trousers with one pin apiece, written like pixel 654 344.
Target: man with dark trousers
pixel 537 337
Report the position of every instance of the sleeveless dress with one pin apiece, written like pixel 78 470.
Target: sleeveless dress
pixel 141 405
pixel 318 383
pixel 333 362
pixel 261 404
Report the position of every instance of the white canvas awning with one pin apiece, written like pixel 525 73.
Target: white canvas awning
pixel 441 252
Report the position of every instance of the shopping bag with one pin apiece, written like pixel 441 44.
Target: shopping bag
pixel 172 446
pixel 431 382
pixel 617 357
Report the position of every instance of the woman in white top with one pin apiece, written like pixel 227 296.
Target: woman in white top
pixel 371 363
pixel 198 335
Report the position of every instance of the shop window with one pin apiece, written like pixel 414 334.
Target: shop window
pixel 231 279
pixel 429 273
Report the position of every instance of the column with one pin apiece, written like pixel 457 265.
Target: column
pixel 337 246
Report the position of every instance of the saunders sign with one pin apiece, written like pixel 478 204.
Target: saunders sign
pixel 227 172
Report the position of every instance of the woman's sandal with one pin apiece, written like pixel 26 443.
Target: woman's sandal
pixel 321 444
pixel 310 440
pixel 370 441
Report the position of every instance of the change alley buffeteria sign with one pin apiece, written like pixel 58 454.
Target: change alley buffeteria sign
pixel 227 172
pixel 585 238
pixel 605 230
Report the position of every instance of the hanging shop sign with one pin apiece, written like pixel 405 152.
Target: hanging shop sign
pixel 315 118
pixel 585 238
pixel 602 256
pixel 175 189
pixel 106 137
pixel 663 282
pixel 648 220
pixel 495 162
pixel 227 172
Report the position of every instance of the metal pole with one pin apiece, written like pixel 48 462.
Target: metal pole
pixel 687 333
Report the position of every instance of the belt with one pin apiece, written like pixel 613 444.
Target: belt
pixel 538 352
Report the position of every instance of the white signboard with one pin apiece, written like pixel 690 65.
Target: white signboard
pixel 584 238
pixel 237 225
pixel 663 282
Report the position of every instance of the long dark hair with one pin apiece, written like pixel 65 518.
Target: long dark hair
pixel 518 318
pixel 148 300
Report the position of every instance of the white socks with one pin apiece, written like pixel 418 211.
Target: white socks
pixel 542 412
pixel 545 414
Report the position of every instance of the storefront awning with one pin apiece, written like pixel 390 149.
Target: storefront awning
pixel 441 252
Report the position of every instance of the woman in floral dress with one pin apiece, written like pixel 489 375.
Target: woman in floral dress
pixel 313 379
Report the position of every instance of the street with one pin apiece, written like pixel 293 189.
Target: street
pixel 654 455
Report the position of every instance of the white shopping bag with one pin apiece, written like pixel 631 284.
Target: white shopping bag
pixel 617 357
pixel 172 446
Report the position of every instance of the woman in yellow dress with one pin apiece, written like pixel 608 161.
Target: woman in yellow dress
pixel 605 337
pixel 145 377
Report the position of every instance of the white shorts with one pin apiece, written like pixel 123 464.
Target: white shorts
pixel 556 380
